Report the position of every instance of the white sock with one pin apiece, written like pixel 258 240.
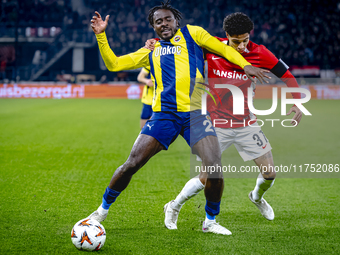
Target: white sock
pixel 262 185
pixel 191 189
pixel 102 211
pixel 208 221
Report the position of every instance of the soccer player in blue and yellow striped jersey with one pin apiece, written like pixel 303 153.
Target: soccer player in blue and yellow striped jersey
pixel 147 95
pixel 175 64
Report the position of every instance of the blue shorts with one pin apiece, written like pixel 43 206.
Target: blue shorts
pixel 166 126
pixel 146 112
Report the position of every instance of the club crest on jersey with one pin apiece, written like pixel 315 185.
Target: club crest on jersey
pixel 168 50
pixel 177 38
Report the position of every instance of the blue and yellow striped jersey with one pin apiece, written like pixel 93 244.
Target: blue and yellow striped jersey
pixel 175 65
pixel 147 94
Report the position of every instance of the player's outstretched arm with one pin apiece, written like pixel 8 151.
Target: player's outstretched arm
pixel 291 82
pixel 297 116
pixel 99 25
pixel 280 69
pixel 259 73
pixel 204 39
pixel 113 63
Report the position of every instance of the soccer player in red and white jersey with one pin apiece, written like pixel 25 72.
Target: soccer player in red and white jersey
pixel 250 141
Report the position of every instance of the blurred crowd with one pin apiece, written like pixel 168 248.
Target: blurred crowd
pixel 37 13
pixel 301 32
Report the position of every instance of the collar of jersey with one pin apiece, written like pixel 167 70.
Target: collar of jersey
pixel 160 40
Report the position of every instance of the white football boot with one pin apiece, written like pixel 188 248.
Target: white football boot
pixel 171 216
pixel 98 216
pixel 213 227
pixel 265 208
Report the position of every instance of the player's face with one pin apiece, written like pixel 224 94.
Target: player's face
pixel 165 24
pixel 239 42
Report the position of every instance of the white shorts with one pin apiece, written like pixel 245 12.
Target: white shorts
pixel 250 142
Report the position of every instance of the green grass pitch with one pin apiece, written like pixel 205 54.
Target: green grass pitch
pixel 58 156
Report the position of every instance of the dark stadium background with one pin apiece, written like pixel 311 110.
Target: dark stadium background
pixel 41 40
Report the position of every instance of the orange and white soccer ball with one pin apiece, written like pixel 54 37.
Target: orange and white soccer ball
pixel 88 235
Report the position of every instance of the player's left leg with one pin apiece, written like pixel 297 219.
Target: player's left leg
pixel 267 176
pixel 201 136
pixel 209 151
pixel 264 181
pixel 196 184
pixel 252 144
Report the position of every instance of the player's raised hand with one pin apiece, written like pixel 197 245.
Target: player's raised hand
pixel 259 73
pixel 297 116
pixel 150 44
pixel 98 24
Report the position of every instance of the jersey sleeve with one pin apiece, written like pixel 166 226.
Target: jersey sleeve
pixel 146 69
pixel 279 68
pixel 270 62
pixel 130 61
pixel 205 40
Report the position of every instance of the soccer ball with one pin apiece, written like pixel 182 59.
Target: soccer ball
pixel 88 235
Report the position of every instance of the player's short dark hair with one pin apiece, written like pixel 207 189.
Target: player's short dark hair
pixel 164 6
pixel 237 23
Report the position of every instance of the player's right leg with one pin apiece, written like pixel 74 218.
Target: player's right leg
pixel 156 135
pixel 143 149
pixel 142 123
pixel 145 114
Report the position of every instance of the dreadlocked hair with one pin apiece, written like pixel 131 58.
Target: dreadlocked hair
pixel 237 23
pixel 164 6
